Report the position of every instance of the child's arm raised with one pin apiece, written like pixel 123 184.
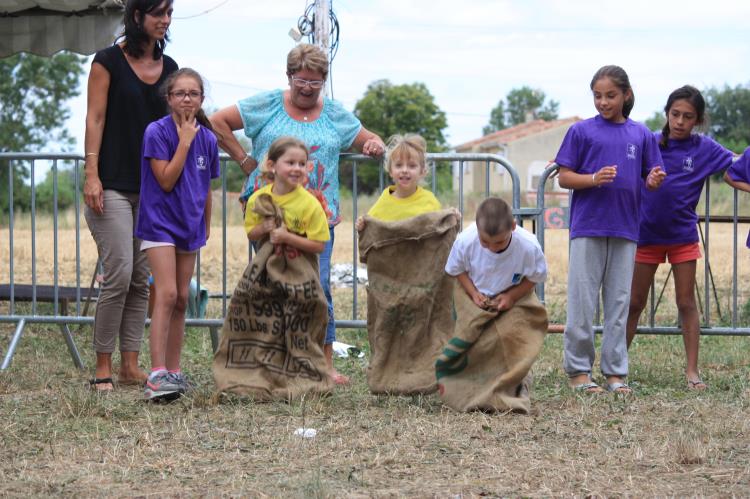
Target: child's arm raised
pixel 280 235
pixel 568 179
pixel 168 172
pixel 509 297
pixel 479 299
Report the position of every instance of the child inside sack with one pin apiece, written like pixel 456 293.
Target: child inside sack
pixel 500 324
pixel 408 305
pixel 272 341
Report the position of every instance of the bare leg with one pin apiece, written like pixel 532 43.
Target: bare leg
pixel 184 268
pixel 130 373
pixel 162 260
pixel 684 285
pixel 643 275
pixel 103 370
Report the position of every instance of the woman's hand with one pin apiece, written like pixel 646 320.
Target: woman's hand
pixel 373 147
pixel 93 194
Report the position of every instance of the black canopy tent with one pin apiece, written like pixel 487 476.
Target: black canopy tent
pixel 44 27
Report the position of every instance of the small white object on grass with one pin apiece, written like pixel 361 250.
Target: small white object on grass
pixel 306 432
pixel 343 351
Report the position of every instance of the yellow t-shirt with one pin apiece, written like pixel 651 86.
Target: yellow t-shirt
pixel 303 214
pixel 390 208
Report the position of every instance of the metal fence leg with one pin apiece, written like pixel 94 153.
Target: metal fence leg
pixel 214 338
pixel 72 346
pixel 13 344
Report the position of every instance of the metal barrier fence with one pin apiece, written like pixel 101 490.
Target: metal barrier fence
pixel 60 296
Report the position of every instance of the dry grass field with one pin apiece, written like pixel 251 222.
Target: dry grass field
pixel 59 438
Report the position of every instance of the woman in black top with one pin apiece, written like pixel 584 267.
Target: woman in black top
pixel 123 97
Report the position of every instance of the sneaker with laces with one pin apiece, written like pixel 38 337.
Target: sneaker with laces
pixel 161 387
pixel 181 380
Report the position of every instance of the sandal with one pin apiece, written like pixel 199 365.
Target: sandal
pixel 589 387
pixel 696 385
pixel 95 382
pixel 619 387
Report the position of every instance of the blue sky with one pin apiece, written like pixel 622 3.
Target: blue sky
pixel 468 53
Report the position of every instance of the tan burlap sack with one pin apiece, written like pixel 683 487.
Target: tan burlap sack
pixel 409 313
pixel 486 364
pixel 272 340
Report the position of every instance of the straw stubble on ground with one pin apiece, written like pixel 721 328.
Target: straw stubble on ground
pixel 60 438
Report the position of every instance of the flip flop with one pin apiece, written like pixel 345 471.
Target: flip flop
pixel 696 385
pixel 589 387
pixel 618 387
pixel 95 382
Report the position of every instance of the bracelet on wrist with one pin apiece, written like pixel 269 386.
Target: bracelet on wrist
pixel 242 163
pixel 593 179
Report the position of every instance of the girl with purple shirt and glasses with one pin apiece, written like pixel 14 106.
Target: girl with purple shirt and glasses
pixel 604 160
pixel 668 218
pixel 180 157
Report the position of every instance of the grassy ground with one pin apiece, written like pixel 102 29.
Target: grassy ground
pixel 58 438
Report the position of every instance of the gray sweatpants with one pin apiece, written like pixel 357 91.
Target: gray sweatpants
pixel 123 302
pixel 606 263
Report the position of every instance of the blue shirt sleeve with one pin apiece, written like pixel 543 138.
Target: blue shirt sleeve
pixel 347 125
pixel 156 142
pixel 739 170
pixel 651 154
pixel 569 155
pixel 258 110
pixel 719 158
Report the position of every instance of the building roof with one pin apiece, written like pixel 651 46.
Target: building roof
pixel 515 133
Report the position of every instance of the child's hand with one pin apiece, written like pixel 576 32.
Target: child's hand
pixel 268 225
pixel 279 235
pixel 655 178
pixel 457 214
pixel 502 302
pixel 360 224
pixel 606 175
pixel 479 300
pixel 187 128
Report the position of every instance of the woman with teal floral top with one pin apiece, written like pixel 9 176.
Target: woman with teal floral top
pixel 323 124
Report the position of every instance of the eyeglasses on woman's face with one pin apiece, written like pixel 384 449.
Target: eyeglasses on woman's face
pixel 302 83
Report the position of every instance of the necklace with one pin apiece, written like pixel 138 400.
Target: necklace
pixel 304 118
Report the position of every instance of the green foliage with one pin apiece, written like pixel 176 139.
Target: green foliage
pixel 33 92
pixel 66 185
pixel 519 105
pixel 388 109
pixel 729 114
pixel 656 122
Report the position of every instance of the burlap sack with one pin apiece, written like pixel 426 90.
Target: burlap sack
pixel 485 366
pixel 409 313
pixel 272 340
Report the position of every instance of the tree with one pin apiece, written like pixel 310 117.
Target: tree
pixel 33 94
pixel 387 109
pixel 656 122
pixel 497 119
pixel 729 115
pixel 521 105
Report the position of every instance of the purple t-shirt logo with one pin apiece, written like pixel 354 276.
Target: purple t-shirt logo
pixel 687 164
pixel 632 150
pixel 200 162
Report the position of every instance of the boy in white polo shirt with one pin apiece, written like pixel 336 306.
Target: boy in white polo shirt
pixel 496 262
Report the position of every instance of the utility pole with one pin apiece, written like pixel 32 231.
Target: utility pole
pixel 322 30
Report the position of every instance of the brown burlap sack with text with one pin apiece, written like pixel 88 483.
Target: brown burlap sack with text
pixel 486 364
pixel 409 313
pixel 272 340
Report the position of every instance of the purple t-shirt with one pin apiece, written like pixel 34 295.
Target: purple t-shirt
pixel 610 210
pixel 740 171
pixel 668 214
pixel 178 216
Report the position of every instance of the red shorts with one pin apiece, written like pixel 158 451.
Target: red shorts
pixel 677 253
